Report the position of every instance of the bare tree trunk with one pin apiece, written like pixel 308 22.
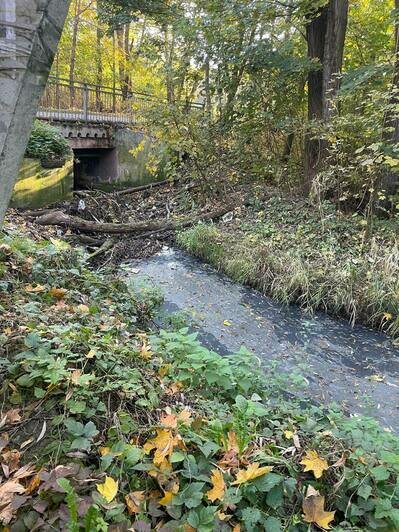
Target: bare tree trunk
pixel 126 50
pixel 113 71
pixel 122 38
pixel 237 75
pixel 208 100
pixel 32 29
pixel 337 22
pixel 315 36
pixel 326 39
pixel 72 61
pixel 169 55
pixel 99 62
pixel 390 180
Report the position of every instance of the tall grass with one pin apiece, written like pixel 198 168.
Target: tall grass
pixel 362 287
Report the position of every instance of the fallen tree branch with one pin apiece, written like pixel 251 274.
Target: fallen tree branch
pixel 106 246
pixel 145 187
pixel 85 226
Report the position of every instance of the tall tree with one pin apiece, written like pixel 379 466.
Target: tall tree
pixel 390 179
pixel 325 35
pixel 32 31
pixel 72 60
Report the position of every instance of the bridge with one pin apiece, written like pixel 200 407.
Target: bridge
pixel 104 128
pixel 73 101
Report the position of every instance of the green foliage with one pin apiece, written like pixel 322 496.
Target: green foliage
pixel 46 142
pixel 114 392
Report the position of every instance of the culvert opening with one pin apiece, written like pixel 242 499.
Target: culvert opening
pixel 93 166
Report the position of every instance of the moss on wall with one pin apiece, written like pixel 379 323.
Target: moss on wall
pixel 38 186
pixel 141 159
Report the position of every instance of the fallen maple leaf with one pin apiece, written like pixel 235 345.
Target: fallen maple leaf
pixel 219 486
pixel 164 370
pixel 134 500
pixel 11 459
pixel 58 293
pixel 108 489
pixel 145 350
pixel 91 354
pixel 313 462
pixel 163 443
pixel 170 420
pixel 313 509
pixel 104 450
pixel 253 471
pixel 174 388
pixel 35 289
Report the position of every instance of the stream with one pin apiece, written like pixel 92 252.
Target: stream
pixel 357 368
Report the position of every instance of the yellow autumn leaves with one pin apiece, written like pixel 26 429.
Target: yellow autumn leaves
pixel 253 471
pixel 167 440
pixel 243 475
pixel 313 504
pixel 108 489
pixel 164 444
pixel 313 462
pixel 313 509
pixel 218 486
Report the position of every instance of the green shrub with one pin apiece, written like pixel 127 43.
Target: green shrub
pixel 46 142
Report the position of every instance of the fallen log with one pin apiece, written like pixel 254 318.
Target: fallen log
pixel 145 187
pixel 73 222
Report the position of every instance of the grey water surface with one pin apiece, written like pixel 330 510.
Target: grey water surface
pixel 355 367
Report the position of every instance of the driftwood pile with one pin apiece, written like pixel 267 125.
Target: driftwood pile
pixel 148 231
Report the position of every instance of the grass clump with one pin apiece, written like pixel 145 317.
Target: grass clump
pixel 316 259
pixel 109 423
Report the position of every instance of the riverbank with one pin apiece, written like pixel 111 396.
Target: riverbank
pixel 108 422
pixel 318 259
pixel 315 257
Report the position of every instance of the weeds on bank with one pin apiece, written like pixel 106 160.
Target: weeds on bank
pixel 319 261
pixel 106 424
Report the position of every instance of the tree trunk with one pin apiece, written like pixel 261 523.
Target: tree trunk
pixel 315 36
pixel 390 180
pixel 121 62
pixel 208 100
pixel 99 62
pixel 85 226
pixel 23 75
pixel 325 36
pixel 169 56
pixel 289 142
pixel 337 22
pixel 72 61
pixel 126 51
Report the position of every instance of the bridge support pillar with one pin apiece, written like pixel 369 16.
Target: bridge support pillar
pixel 29 35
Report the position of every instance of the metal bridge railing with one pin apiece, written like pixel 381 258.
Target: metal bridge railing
pixel 85 102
